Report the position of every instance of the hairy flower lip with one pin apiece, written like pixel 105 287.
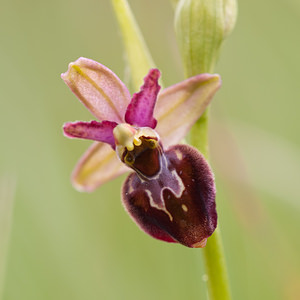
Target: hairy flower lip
pixel 175 207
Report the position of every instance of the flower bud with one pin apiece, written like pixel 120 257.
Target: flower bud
pixel 201 26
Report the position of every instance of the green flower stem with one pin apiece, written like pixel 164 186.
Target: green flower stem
pixel 218 283
pixel 198 136
pixel 213 253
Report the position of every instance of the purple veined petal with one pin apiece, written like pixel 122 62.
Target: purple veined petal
pixel 179 106
pixel 140 110
pixel 101 132
pixel 178 203
pixel 98 165
pixel 98 88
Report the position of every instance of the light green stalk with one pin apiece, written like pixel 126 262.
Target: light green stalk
pixel 139 58
pixel 215 265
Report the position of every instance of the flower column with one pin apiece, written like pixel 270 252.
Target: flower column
pixel 201 27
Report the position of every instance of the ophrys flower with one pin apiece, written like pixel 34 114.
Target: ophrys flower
pixel 171 193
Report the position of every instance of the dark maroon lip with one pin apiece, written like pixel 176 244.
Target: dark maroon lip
pixel 179 204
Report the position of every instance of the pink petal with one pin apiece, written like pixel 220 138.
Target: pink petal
pixel 179 106
pixel 101 132
pixel 140 110
pixel 98 88
pixel 97 166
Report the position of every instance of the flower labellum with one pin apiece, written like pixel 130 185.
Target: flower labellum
pixel 170 193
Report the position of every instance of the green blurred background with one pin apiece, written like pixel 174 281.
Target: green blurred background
pixel 57 243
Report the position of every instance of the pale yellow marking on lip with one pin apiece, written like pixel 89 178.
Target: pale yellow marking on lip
pixel 130 189
pixel 200 244
pixel 184 207
pixel 178 154
pixel 179 180
pixel 153 204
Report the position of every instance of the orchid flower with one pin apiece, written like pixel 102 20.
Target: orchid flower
pixel 170 192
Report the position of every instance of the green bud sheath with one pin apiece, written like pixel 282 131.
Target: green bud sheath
pixel 201 26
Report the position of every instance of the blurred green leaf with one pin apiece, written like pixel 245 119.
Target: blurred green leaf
pixel 273 162
pixel 7 190
pixel 174 2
